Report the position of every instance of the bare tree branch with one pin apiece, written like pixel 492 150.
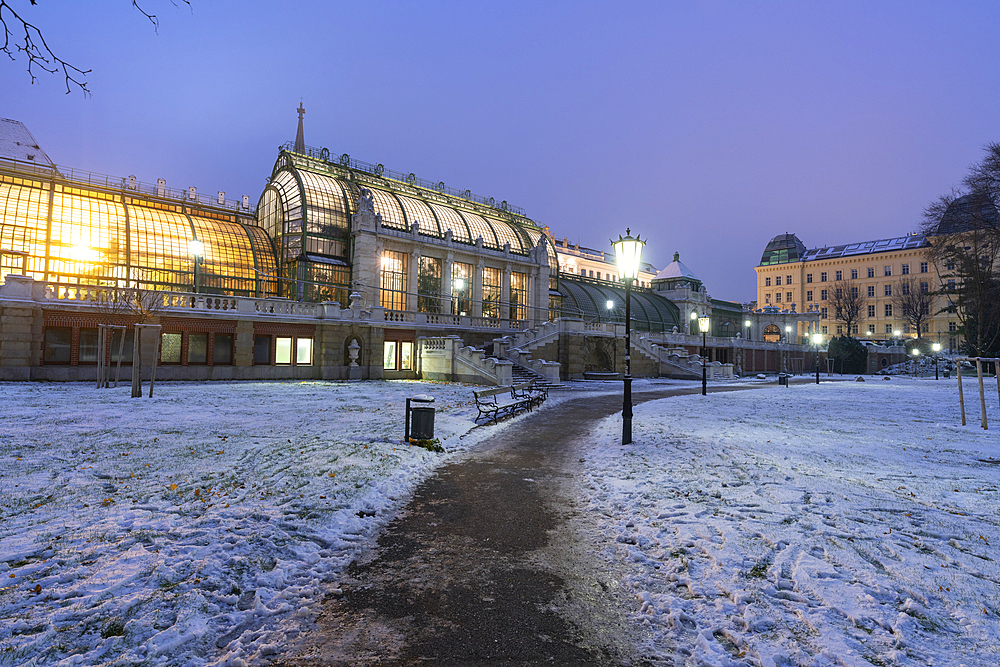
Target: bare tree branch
pixel 848 303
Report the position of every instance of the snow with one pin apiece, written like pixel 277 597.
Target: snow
pixel 835 524
pixel 839 524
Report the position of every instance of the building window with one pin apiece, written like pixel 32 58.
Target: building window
pixel 809 277
pixel 951 284
pixel 871 291
pixel 905 269
pixel 788 297
pixel 840 293
pixel 871 271
pixel 952 327
pixel 283 350
pixel 767 298
pixel 926 327
pixel 887 271
pixel 822 295
pixel 788 280
pixel 950 265
pixel 822 276
pixel 518 295
pixel 871 328
pixel 303 351
pixel 871 311
pixel 924 288
pixel 591 273
pixel 767 282
pixel 854 274
pixel 393 293
pixel 905 289
pixel 824 329
pixel 170 348
pixel 398 355
pixel 840 275
pixel 88 346
pixel 854 290
pixel 222 349
pixel 888 328
pixel 492 287
pixel 923 267
pixel 461 288
pixel 854 329
pixel 822 314
pixel 777 280
pixel 887 290
pixel 840 330
pixel 261 350
pixel 57 344
pixel 809 295
pixel 198 348
pixel 429 285
pixel 777 297
pixel 888 310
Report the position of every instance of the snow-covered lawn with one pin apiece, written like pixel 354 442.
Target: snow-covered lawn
pixel 840 524
pixel 196 527
pixel 844 524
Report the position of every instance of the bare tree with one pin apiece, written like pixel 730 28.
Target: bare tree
pixel 912 301
pixel 848 303
pixel 964 232
pixel 22 37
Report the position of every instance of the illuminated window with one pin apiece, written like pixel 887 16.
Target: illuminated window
pixel 518 295
pixel 170 348
pixel 461 288
pixel 389 355
pixel 405 355
pixel 303 351
pixel 393 280
pixel 282 350
pixel 429 285
pixel 492 288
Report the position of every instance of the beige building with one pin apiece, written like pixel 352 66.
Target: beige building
pixel 792 278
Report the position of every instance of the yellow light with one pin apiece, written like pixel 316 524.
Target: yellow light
pixel 196 247
pixel 628 255
pixel 459 283
pixel 84 254
pixel 936 347
pixel 747 323
pixel 694 315
pixel 817 339
pixel 703 323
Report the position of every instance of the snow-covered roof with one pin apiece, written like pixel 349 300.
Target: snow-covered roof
pixel 676 269
pixel 16 142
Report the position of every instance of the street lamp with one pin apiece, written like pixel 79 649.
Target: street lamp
pixel 747 324
pixel 196 248
pixel 694 316
pixel 916 353
pixel 817 340
pixel 788 348
pixel 628 254
pixel 703 324
pixel 937 348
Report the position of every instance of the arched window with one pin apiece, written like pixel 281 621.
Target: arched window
pixel 772 334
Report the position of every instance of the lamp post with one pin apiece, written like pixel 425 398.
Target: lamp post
pixel 196 248
pixel 788 346
pixel 937 348
pixel 916 353
pixel 694 316
pixel 628 254
pixel 747 324
pixel 817 339
pixel 703 324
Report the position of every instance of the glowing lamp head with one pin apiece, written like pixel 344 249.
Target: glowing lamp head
pixel 196 247
pixel 817 339
pixel 896 333
pixel 747 323
pixel 610 304
pixel 628 255
pixel 459 283
pixel 788 328
pixel 936 347
pixel 703 323
pixel 694 315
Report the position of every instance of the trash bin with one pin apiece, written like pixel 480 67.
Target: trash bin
pixel 420 417
pixel 783 380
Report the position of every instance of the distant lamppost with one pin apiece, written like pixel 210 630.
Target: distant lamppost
pixel 788 346
pixel 895 335
pixel 916 353
pixel 694 316
pixel 817 340
pixel 628 255
pixel 703 324
pixel 937 348
pixel 196 248
pixel 747 324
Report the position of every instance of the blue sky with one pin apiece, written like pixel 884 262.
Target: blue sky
pixel 707 127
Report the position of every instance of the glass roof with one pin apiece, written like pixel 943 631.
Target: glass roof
pixel 866 248
pixel 650 311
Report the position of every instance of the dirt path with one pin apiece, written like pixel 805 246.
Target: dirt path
pixel 485 565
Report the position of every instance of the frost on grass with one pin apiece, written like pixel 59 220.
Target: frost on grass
pixel 198 527
pixel 839 524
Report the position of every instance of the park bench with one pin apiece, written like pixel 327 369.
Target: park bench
pixel 532 390
pixel 492 403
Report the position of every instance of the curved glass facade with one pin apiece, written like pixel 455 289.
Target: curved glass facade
pixel 64 232
pixel 650 312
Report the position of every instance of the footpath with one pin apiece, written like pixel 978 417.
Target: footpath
pixel 484 566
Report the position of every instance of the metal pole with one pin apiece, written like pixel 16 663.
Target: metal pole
pixel 704 372
pixel 936 369
pixel 817 364
pixel 196 274
pixel 627 400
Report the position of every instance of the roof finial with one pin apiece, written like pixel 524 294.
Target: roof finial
pixel 677 256
pixel 300 140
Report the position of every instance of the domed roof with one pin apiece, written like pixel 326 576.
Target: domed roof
pixel 676 269
pixel 783 249
pixel 968 212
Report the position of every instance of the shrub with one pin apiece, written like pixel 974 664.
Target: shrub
pixel 851 355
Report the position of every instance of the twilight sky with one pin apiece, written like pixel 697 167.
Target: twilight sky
pixel 707 127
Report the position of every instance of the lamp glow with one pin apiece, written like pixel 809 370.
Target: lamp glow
pixel 703 323
pixel 936 347
pixel 196 247
pixel 628 253
pixel 459 283
pixel 817 339
pixel 610 304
